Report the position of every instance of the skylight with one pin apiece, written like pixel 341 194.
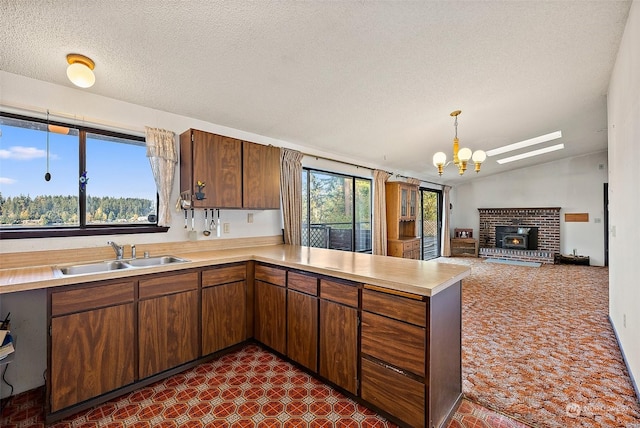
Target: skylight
pixel 526 143
pixel 532 153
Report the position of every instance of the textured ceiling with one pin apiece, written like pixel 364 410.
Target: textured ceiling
pixel 371 81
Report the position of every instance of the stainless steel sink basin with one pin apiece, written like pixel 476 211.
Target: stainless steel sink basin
pixel 154 261
pixel 98 267
pixel 93 267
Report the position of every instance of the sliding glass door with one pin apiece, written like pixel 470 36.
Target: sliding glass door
pixel 430 223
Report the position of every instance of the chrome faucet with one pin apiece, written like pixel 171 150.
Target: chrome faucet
pixel 119 249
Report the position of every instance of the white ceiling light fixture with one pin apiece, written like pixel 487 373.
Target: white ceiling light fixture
pixel 80 70
pixel 531 154
pixel 460 156
pixel 526 143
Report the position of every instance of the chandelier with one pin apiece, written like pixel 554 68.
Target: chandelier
pixel 460 156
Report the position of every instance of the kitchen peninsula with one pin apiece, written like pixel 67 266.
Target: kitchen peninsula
pixel 384 330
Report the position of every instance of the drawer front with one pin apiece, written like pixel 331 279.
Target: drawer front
pixel 339 292
pixel 169 284
pixel 86 298
pixel 305 283
pixel 401 308
pixel 400 344
pixel 224 275
pixel 415 245
pixel 271 275
pixel 393 392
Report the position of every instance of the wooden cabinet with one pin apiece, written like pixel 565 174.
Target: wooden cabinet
pixel 270 308
pixel 464 247
pixel 167 322
pixel 393 355
pixel 406 248
pixel 339 333
pixel 401 209
pixel 92 342
pixel 224 307
pixel 260 176
pixel 302 319
pixel 236 173
pixel 215 160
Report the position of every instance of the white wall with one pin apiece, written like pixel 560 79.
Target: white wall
pixel 624 193
pixel 576 185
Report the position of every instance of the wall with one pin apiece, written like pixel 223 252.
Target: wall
pixel 576 185
pixel 623 108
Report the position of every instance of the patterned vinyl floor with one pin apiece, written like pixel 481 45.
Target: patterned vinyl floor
pixel 248 388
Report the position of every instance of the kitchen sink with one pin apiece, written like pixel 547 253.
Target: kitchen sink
pixel 93 267
pixel 154 261
pixel 99 267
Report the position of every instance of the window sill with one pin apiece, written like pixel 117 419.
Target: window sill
pixel 74 231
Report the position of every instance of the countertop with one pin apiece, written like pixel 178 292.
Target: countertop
pixel 423 278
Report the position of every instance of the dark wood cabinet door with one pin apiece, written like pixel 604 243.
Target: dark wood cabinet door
pixel 270 315
pixel 167 332
pixel 339 344
pixel 92 353
pixel 224 316
pixel 261 176
pixel 302 329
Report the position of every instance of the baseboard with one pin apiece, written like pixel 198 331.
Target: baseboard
pixel 624 358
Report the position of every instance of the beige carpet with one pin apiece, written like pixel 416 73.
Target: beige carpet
pixel 537 345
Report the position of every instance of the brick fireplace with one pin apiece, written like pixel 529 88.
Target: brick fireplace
pixel 545 220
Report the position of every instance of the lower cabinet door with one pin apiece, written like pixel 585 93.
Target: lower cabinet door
pixel 302 329
pixel 271 315
pixel 224 316
pixel 167 332
pixel 91 353
pixel 339 345
pixel 393 392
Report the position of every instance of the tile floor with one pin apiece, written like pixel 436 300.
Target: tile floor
pixel 247 388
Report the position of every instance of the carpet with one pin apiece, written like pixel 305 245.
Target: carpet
pixel 513 262
pixel 537 345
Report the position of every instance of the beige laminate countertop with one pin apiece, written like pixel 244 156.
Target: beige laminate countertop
pixel 424 278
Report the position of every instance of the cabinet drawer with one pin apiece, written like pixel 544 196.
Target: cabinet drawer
pixel 271 275
pixel 415 245
pixel 304 283
pixel 339 292
pixel 86 298
pixel 168 284
pixel 401 308
pixel 400 344
pixel 224 275
pixel 393 392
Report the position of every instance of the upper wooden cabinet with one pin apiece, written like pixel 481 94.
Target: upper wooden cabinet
pixel 260 176
pixel 236 173
pixel 401 200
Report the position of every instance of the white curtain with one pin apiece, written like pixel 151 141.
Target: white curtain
pixel 291 191
pixel 379 213
pixel 163 156
pixel 414 181
pixel 445 250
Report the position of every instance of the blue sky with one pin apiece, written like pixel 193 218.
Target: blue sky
pixel 114 169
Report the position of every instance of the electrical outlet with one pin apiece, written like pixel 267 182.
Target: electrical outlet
pixel 226 227
pixel 250 218
pixel 597 220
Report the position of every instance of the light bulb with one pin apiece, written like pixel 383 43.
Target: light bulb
pixel 439 159
pixel 464 154
pixel 479 156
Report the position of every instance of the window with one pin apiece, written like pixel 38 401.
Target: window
pixel 100 181
pixel 336 211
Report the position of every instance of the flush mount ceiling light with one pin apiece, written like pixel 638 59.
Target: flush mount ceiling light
pixel 460 156
pixel 80 70
pixel 526 143
pixel 532 153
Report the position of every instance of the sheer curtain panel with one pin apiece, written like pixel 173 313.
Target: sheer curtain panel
pixel 379 243
pixel 291 191
pixel 163 156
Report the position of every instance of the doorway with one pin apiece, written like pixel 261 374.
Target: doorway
pixel 430 223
